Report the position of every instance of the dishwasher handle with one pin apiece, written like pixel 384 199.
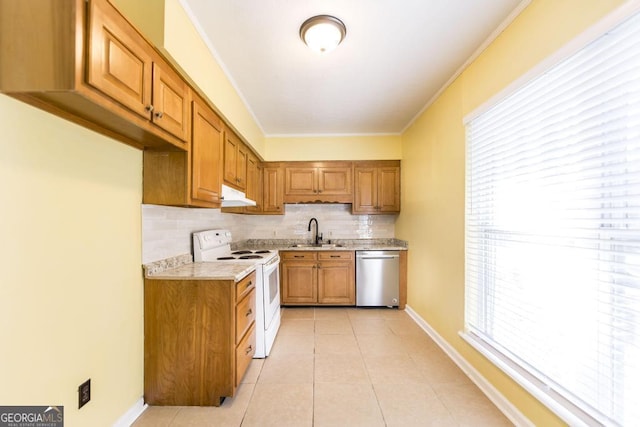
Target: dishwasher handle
pixel 373 255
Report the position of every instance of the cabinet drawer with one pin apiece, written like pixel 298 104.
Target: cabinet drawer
pixel 245 314
pixel 335 255
pixel 244 353
pixel 245 285
pixel 298 255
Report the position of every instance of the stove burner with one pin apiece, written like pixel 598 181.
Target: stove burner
pixel 224 258
pixel 264 251
pixel 240 252
pixel 250 257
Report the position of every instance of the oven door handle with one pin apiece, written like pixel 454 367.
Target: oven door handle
pixel 271 265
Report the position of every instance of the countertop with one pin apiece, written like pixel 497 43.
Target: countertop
pixel 182 267
pixel 340 245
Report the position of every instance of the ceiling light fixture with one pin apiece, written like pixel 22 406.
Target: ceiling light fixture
pixel 322 33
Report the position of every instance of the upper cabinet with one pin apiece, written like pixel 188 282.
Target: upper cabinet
pixel 121 64
pixel 273 186
pixel 82 60
pixel 377 187
pixel 235 161
pixel 206 154
pixel 254 189
pixel 191 178
pixel 318 182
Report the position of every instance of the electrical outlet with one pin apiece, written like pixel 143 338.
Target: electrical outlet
pixel 84 393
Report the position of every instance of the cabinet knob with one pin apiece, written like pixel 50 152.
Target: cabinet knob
pixel 159 114
pixel 249 313
pixel 149 108
pixel 249 349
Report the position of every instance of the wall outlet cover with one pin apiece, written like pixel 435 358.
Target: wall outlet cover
pixel 84 393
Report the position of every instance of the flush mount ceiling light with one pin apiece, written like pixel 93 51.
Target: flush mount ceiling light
pixel 322 33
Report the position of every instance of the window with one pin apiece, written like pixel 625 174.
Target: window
pixel 553 232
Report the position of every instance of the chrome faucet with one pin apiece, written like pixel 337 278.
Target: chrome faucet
pixel 318 238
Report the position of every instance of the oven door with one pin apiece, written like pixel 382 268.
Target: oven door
pixel 271 286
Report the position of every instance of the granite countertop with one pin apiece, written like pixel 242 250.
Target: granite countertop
pixel 183 268
pixel 340 245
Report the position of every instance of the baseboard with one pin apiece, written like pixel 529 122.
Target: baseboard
pixel 506 407
pixel 132 414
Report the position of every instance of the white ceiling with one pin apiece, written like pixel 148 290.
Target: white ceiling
pixel 396 56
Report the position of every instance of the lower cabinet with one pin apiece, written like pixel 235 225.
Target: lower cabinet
pixel 199 339
pixel 318 278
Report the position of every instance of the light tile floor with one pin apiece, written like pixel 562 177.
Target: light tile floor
pixel 345 367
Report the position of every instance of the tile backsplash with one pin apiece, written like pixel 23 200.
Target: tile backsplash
pixel 166 231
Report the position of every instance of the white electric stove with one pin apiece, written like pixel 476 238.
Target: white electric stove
pixel 215 246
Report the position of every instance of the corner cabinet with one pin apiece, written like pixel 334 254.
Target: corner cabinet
pixel 199 339
pixel 377 187
pixel 83 61
pixel 191 178
pixel 318 278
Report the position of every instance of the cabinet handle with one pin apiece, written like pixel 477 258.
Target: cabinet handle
pixel 159 114
pixel 249 349
pixel 298 256
pixel 318 266
pixel 250 283
pixel 319 191
pixel 149 108
pixel 335 256
pixel 249 313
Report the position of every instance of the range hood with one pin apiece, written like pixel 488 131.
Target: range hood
pixel 232 198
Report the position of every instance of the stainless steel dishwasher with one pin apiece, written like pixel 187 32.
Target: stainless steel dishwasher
pixel 377 278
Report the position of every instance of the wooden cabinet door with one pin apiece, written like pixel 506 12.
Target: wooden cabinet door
pixel 299 282
pixel 241 166
pixel 272 198
pixel 389 189
pixel 336 283
pixel 119 62
pixel 299 182
pixel 336 278
pixel 334 184
pixel 235 161
pixel 230 158
pixel 366 191
pixel 254 184
pixel 206 154
pixel 171 97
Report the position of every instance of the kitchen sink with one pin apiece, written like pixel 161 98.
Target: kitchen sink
pixel 318 245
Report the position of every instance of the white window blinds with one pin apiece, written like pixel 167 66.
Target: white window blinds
pixel 553 230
